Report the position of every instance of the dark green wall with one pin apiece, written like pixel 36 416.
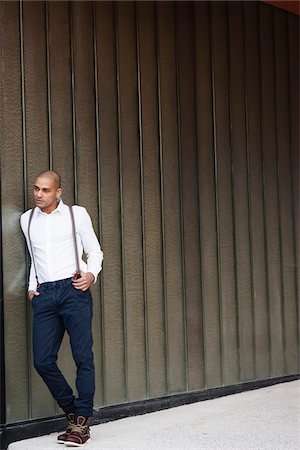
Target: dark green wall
pixel 176 125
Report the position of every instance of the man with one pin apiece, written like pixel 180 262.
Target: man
pixel 62 301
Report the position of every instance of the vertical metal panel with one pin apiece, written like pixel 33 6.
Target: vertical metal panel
pixel 189 163
pixel 13 250
pixel 240 190
pixel 36 99
pixel 113 333
pixel 271 191
pixel 285 192
pixel 171 192
pixel 73 103
pixel 154 289
pixel 131 207
pixel 143 224
pixel 256 192
pixel 2 366
pixel 48 86
pixel 162 201
pixel 207 199
pixel 121 203
pixel 180 186
pixel 60 95
pixel 230 357
pixel 2 356
pixel 293 53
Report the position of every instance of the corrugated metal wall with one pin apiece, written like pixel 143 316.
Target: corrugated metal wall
pixel 176 125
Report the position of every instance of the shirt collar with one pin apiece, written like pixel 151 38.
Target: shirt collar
pixel 59 208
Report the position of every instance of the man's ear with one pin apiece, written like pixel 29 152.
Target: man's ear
pixel 59 193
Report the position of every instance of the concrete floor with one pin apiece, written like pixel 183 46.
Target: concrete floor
pixel 267 418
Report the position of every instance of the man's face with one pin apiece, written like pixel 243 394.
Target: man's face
pixel 46 193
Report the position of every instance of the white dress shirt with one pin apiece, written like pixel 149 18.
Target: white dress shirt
pixel 53 246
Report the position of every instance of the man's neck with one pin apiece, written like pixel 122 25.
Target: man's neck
pixel 50 209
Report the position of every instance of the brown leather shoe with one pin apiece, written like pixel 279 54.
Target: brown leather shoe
pixel 80 432
pixel 61 439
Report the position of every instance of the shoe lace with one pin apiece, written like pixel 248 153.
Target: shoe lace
pixel 79 428
pixel 71 426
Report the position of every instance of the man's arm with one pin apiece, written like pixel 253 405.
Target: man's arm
pixel 91 248
pixel 32 283
pixel 32 280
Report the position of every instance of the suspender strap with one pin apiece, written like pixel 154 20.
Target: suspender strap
pixel 75 242
pixel 32 254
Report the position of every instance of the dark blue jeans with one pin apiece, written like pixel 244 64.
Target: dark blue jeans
pixel 59 308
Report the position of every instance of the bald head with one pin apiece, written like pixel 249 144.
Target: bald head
pixel 47 191
pixel 51 174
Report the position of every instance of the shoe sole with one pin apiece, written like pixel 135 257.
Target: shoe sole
pixel 73 444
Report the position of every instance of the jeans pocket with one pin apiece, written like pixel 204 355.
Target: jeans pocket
pixel 35 298
pixel 33 301
pixel 82 295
